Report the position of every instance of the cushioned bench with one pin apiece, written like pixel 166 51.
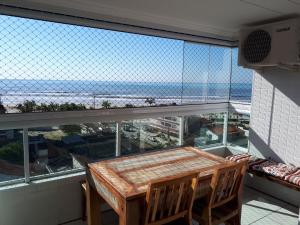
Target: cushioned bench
pixel 283 174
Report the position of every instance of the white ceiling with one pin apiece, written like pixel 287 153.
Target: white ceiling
pixel 209 17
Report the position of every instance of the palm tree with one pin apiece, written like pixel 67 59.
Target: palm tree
pixel 27 106
pixel 2 109
pixel 129 106
pixel 53 107
pixel 106 104
pixel 150 100
pixel 71 107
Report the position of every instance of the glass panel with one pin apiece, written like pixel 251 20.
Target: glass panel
pixel 204 130
pixel 241 80
pixel 206 73
pixel 238 130
pixel 67 147
pixel 149 134
pixel 195 73
pixel 219 74
pixel 11 155
pixel 48 66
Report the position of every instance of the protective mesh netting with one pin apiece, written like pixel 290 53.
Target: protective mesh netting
pixel 47 66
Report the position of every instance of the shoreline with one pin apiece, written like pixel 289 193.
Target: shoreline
pixel 95 101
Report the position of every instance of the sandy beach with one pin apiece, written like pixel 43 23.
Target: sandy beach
pixel 10 101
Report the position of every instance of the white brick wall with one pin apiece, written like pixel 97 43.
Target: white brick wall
pixel 275 116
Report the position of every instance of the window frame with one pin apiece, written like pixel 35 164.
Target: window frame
pixel 31 13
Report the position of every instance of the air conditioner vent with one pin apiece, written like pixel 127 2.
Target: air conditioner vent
pixel 257 46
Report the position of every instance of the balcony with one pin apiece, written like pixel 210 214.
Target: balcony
pixel 76 88
pixel 221 129
pixel 258 208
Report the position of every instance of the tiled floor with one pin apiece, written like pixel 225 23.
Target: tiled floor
pixel 258 209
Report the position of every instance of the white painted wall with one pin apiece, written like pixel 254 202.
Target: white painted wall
pixel 275 116
pixel 48 202
pixel 275 126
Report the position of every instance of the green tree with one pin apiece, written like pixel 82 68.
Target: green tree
pixel 129 106
pixel 71 107
pixel 12 152
pixel 27 106
pixel 106 104
pixel 2 109
pixel 52 107
pixel 31 106
pixel 71 129
pixel 150 100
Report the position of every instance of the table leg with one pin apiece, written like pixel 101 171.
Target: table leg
pixel 132 214
pixel 93 205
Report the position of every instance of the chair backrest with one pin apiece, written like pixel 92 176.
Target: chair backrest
pixel 226 183
pixel 170 199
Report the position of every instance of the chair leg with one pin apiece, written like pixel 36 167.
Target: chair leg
pixel 209 216
pixel 83 205
pixel 202 220
pixel 188 219
pixel 203 217
pixel 236 220
pixel 83 208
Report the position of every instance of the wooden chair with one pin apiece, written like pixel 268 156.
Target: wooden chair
pixel 171 200
pixel 223 204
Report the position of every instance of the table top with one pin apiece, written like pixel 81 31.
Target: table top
pixel 130 175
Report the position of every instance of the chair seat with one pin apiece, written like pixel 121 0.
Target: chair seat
pixel 223 214
pixel 199 205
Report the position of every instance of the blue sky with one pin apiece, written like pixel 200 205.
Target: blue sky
pixel 32 49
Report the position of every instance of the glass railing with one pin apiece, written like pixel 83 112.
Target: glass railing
pixel 48 145
pixel 11 155
pixel 206 130
pixel 238 130
pixel 149 134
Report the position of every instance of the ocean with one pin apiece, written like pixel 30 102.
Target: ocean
pixel 91 93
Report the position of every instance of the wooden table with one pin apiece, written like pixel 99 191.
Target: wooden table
pixel 122 182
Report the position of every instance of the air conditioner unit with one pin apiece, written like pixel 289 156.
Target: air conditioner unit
pixel 271 45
